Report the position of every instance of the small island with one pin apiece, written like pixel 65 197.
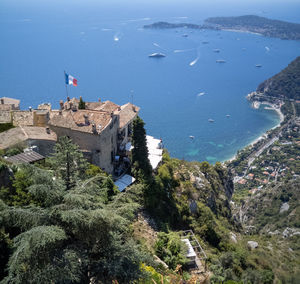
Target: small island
pixel 249 23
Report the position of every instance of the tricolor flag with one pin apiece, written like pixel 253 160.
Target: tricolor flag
pixel 70 80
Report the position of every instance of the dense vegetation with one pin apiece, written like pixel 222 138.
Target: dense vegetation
pixel 285 84
pixel 251 23
pixel 63 221
pixel 53 232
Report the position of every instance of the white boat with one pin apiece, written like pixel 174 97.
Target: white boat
pixel 258 65
pixel 192 137
pixel 227 115
pixel 217 50
pixel 220 61
pixel 211 120
pixel 157 55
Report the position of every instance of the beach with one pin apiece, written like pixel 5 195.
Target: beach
pixel 264 135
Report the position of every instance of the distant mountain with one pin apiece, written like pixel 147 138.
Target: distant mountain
pixel 250 23
pixel 256 24
pixel 284 84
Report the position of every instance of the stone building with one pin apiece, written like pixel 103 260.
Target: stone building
pixel 96 129
pixel 9 104
pixel 101 130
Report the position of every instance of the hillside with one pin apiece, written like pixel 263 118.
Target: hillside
pixel 249 23
pixel 256 24
pixel 285 84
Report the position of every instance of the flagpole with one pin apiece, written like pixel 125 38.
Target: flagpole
pixel 66 83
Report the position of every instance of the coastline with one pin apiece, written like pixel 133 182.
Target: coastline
pixel 241 31
pixel 262 136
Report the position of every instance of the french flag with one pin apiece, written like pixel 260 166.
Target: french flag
pixel 70 80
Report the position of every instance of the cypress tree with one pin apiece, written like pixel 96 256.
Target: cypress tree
pixel 141 169
pixel 81 104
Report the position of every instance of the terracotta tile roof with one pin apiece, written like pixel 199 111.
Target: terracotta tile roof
pixel 75 120
pixel 127 113
pixel 107 106
pixel 242 181
pixel 92 105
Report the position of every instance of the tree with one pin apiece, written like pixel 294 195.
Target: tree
pixel 81 104
pixel 141 165
pixel 68 162
pixel 72 237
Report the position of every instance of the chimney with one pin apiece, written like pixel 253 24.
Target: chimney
pixel 86 119
pixel 68 98
pixel 30 108
pixel 94 130
pixel 133 108
pixel 60 112
pixel 61 103
pixel 2 101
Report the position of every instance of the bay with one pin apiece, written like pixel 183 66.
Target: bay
pixel 105 47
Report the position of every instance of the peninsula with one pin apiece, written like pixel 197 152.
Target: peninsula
pixel 248 23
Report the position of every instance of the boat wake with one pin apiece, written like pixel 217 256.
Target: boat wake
pixel 194 61
pixel 117 36
pixel 183 50
pixel 139 20
pixel 267 48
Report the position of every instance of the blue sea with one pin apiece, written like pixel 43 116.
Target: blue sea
pixel 104 46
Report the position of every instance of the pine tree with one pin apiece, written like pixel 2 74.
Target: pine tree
pixel 142 169
pixel 68 162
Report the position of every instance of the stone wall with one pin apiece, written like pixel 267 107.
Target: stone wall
pixel 44 147
pixel 5 116
pixel 40 118
pixel 22 118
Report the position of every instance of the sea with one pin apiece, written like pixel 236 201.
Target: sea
pixel 104 46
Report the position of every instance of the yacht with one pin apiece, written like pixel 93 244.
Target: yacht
pixel 157 55
pixel 211 120
pixel 258 65
pixel 220 61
